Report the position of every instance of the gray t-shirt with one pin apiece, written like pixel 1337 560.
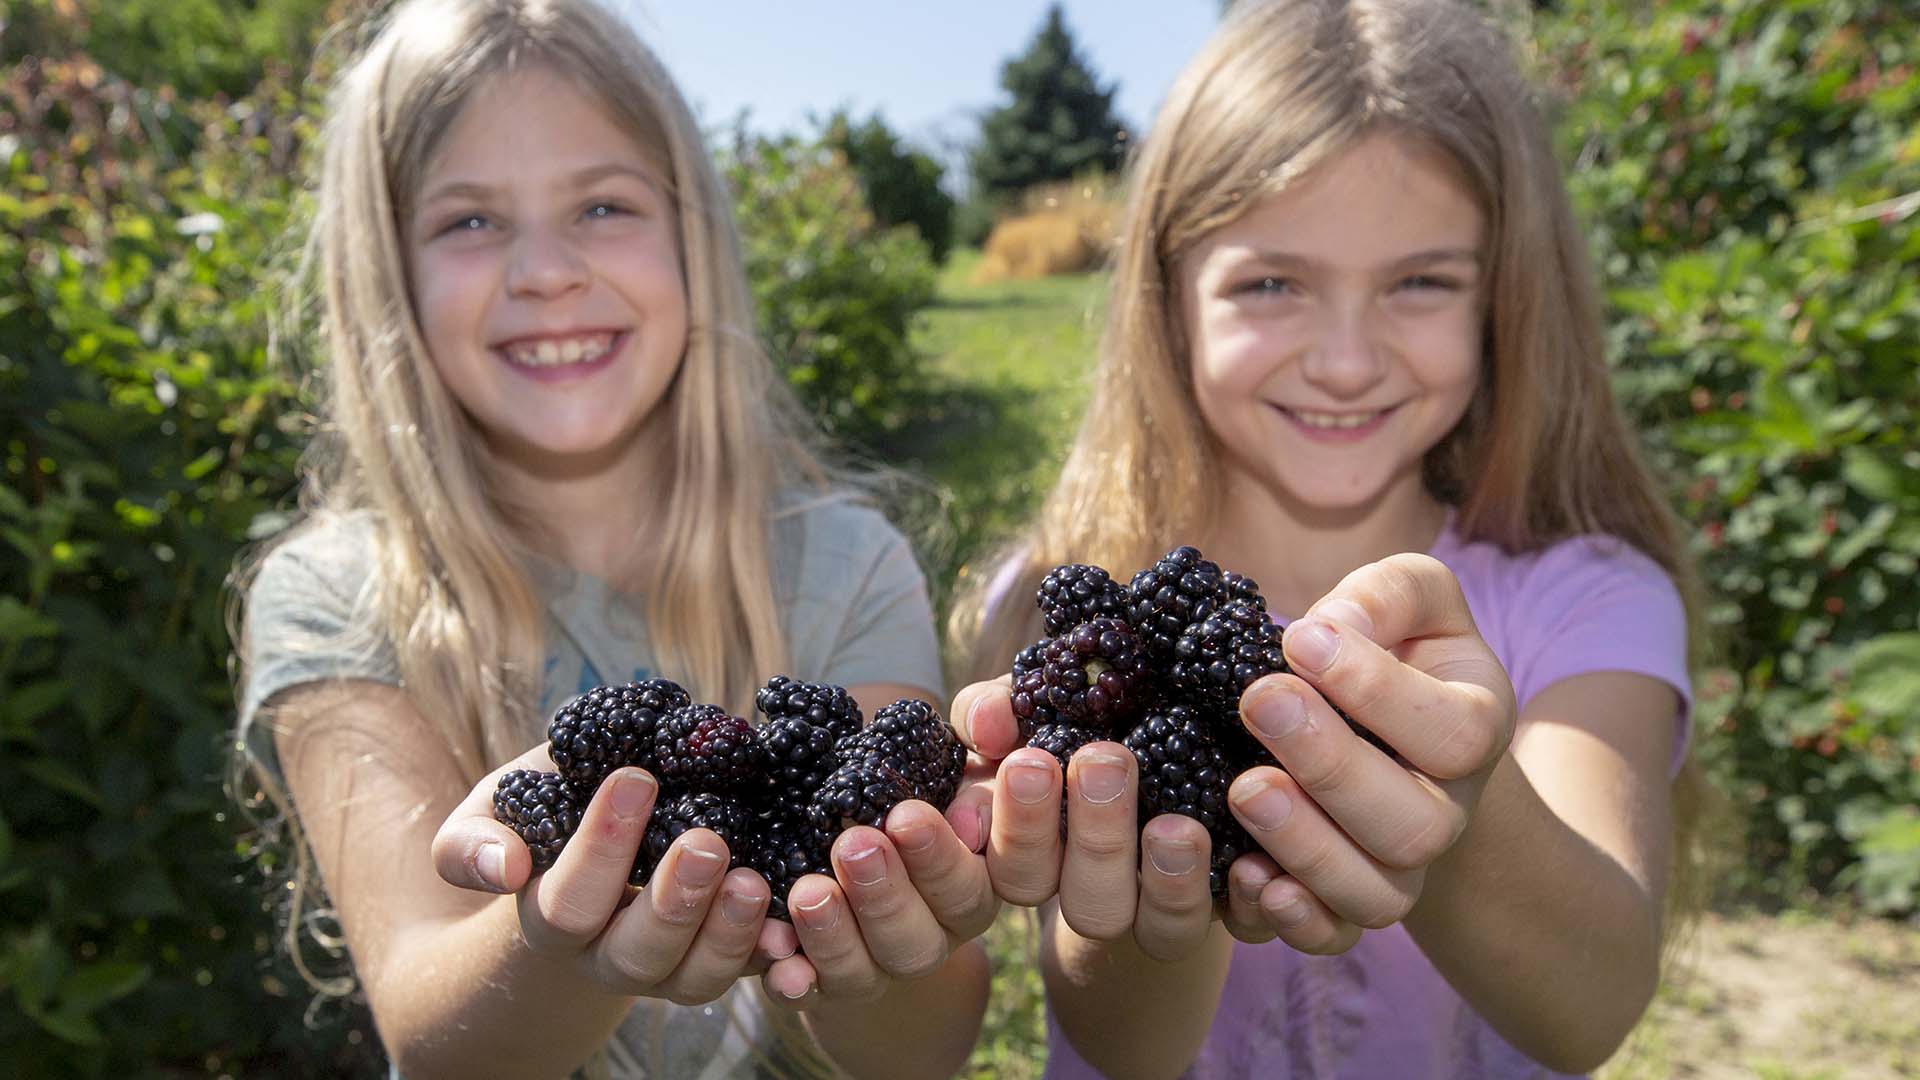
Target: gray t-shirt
pixel 855 608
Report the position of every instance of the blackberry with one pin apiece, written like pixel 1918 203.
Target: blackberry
pixel 1075 593
pixel 543 808
pixel 692 810
pixel 1184 771
pixel 703 748
pixel 1094 674
pixel 798 757
pixel 1061 740
pixel 1218 657
pixel 1030 710
pixel 908 752
pixel 783 849
pixel 820 704
pixel 610 726
pixel 1175 592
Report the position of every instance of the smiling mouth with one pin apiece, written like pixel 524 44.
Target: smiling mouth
pixel 557 352
pixel 1335 421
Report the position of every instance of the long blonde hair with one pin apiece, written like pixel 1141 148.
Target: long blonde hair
pixel 451 584
pixel 1543 452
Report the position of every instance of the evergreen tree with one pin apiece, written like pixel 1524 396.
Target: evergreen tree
pixel 902 185
pixel 1059 124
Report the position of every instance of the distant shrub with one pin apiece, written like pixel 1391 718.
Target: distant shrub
pixel 901 184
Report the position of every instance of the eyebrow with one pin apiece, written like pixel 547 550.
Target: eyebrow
pixel 592 174
pixel 1428 257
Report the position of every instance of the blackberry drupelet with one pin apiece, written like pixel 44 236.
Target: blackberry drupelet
pixel 1217 658
pixel 543 808
pixel 674 815
pixel 1095 674
pixel 821 704
pixel 704 748
pixel 1075 593
pixel 610 726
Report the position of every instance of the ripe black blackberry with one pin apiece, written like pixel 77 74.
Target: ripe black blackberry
pixel 783 849
pixel 907 752
pixel 1183 770
pixel 1218 657
pixel 704 748
pixel 821 704
pixel 1029 690
pixel 610 726
pixel 543 808
pixel 1075 593
pixel 675 814
pixel 1095 674
pixel 798 757
pixel 1164 599
pixel 1061 740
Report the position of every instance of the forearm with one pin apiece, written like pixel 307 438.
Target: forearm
pixel 1547 936
pixel 468 998
pixel 1128 1014
pixel 923 1027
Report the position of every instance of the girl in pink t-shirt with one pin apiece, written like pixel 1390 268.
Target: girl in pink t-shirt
pixel 1354 352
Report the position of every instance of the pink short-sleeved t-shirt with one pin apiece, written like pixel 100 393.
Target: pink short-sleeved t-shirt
pixel 1381 1009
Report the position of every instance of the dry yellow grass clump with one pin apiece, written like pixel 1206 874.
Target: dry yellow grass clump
pixel 1061 228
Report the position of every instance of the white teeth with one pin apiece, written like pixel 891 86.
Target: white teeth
pixel 551 353
pixel 1334 421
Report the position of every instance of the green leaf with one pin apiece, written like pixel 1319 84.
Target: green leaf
pixel 60 776
pixel 76 1028
pixel 1875 476
pixel 1886 674
pixel 18 622
pixel 97 984
pixel 34 700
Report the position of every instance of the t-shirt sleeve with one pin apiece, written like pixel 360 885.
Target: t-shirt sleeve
pixel 1601 605
pixel 308 619
pixel 886 634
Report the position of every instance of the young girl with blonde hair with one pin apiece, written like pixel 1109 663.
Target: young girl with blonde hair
pixel 555 457
pixel 1354 352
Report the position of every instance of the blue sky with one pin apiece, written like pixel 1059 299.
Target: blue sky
pixel 929 68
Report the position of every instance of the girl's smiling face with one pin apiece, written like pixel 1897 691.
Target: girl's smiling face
pixel 1335 329
pixel 544 260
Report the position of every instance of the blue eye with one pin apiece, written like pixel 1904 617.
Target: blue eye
pixel 464 223
pixel 1429 281
pixel 1266 286
pixel 605 210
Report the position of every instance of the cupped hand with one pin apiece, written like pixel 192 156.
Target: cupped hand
pixel 1347 833
pixel 686 937
pixel 901 899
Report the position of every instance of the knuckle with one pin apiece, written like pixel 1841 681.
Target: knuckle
pixel 565 919
pixel 1102 842
pixel 918 963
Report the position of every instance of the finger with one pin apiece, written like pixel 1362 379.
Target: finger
pixel 1399 816
pixel 791 983
pixel 1299 836
pixel 971 811
pixel 1023 850
pixel 901 935
pixel 721 950
pixel 951 879
pixel 1298 918
pixel 1245 880
pixel 569 905
pixel 473 849
pixel 831 939
pixel 648 940
pixel 1098 890
pixel 983 717
pixel 777 942
pixel 1175 909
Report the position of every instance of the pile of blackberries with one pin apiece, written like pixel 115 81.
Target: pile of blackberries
pixel 777 793
pixel 1157 665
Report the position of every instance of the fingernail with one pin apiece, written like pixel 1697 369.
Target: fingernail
pixel 698 867
pixel 1172 857
pixel 491 864
pixel 1101 778
pixel 1028 781
pixel 983 818
pixel 1291 911
pixel 915 839
pixel 1277 712
pixel 1311 644
pixel 966 724
pixel 822 914
pixel 1347 613
pixel 739 909
pixel 790 948
pixel 1264 806
pixel 865 864
pixel 632 793
pixel 804 991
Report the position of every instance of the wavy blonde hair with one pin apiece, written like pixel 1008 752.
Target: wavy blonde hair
pixel 1541 455
pixel 451 583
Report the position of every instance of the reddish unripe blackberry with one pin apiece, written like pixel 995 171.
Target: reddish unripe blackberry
pixel 610 726
pixel 703 748
pixel 907 752
pixel 1095 674
pixel 1217 658
pixel 542 808
pixel 1175 592
pixel 1075 593
pixel 1029 690
pixel 675 814
pixel 821 704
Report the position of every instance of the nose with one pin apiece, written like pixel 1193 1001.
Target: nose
pixel 544 264
pixel 1346 359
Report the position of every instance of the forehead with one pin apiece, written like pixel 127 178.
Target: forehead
pixel 530 124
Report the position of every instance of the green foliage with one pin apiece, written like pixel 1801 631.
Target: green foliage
pixel 901 184
pixel 1059 125
pixel 1752 175
pixel 197 48
pixel 142 435
pixel 836 292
